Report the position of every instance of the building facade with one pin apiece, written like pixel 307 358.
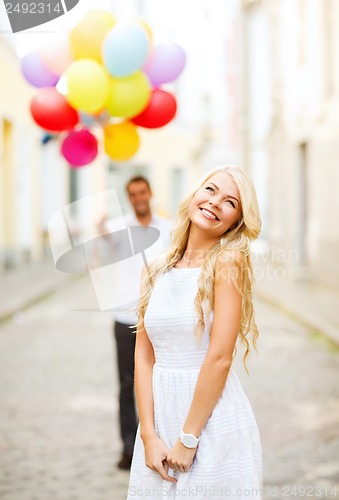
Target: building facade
pixel 291 138
pixel 34 180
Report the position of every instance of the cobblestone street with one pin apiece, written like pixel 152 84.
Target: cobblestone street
pixel 59 438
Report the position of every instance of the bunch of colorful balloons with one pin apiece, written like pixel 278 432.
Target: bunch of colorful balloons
pixel 104 75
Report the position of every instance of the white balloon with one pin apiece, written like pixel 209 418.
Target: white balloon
pixel 56 54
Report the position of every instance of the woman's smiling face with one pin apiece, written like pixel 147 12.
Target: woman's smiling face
pixel 216 206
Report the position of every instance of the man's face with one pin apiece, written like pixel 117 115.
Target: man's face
pixel 139 197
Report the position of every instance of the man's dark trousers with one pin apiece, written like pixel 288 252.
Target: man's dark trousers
pixel 125 345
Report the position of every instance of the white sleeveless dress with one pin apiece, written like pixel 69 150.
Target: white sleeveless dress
pixel 228 462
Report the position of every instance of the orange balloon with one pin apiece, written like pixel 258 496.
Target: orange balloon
pixel 87 37
pixel 121 140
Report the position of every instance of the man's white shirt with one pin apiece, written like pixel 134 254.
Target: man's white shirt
pixel 126 278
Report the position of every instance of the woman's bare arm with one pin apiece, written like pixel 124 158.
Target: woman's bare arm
pixel 155 449
pixel 144 362
pixel 218 360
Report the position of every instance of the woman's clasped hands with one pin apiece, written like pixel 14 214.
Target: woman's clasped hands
pixel 160 458
pixel 181 458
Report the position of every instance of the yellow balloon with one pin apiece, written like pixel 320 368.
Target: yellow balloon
pixel 86 37
pixel 121 140
pixel 100 16
pixel 129 95
pixel 87 85
pixel 141 22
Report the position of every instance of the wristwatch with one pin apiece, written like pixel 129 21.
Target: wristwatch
pixel 189 440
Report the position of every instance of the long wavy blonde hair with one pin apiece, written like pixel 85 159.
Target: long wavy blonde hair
pixel 233 245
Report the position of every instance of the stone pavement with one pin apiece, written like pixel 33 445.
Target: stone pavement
pixel 312 304
pixel 28 284
pixel 59 438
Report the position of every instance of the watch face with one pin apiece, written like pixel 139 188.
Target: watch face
pixel 189 441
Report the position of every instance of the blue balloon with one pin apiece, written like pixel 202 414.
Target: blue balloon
pixel 125 49
pixel 86 119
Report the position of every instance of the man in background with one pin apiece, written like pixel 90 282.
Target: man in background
pixel 139 194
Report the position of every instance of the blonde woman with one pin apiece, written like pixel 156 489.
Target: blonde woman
pixel 197 436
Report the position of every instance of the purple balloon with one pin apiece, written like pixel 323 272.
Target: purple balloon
pixel 36 73
pixel 79 147
pixel 166 62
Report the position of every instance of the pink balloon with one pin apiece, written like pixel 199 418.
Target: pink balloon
pixel 35 72
pixel 165 63
pixel 79 147
pixel 56 54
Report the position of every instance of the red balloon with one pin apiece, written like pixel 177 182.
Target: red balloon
pixel 79 147
pixel 160 110
pixel 51 111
